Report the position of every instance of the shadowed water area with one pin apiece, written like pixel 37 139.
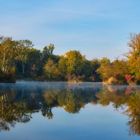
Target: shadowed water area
pixel 64 111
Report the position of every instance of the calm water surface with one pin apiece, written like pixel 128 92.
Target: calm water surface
pixel 62 111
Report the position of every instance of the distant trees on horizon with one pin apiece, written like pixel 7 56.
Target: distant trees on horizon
pixel 20 60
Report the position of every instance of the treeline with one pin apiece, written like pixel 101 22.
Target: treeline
pixel 19 59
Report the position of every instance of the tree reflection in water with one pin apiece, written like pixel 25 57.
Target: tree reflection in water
pixel 18 104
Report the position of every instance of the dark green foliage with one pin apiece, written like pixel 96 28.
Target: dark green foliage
pixel 7 77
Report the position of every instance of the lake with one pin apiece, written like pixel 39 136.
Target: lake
pixel 65 111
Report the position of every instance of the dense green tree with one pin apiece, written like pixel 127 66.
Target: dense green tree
pixel 95 65
pixel 62 67
pixel 105 69
pixel 7 54
pixel 47 52
pixel 120 70
pixel 7 59
pixel 114 71
pixel 33 64
pixel 23 48
pixel 134 56
pixel 74 64
pixel 87 70
pixel 51 70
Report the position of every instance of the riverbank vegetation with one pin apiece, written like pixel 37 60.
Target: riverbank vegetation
pixel 19 59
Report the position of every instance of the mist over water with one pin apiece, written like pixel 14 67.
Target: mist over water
pixel 61 110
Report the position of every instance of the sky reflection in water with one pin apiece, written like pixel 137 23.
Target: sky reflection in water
pixel 56 111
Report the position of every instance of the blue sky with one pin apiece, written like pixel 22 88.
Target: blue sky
pixel 97 28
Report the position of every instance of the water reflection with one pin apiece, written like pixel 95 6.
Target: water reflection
pixel 18 102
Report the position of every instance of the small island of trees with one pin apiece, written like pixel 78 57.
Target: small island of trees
pixel 19 59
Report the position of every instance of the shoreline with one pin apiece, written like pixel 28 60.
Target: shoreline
pixel 69 82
